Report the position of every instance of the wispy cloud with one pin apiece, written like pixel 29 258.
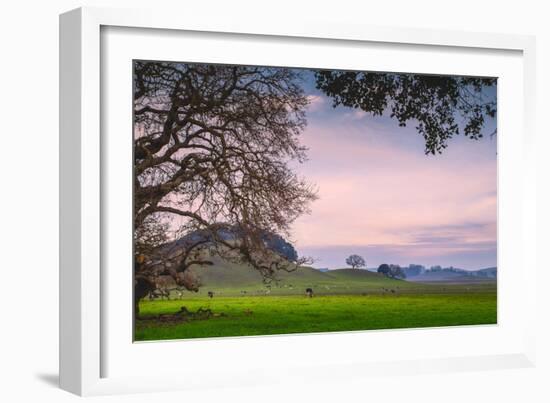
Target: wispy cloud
pixel 469 257
pixel 316 102
pixel 379 190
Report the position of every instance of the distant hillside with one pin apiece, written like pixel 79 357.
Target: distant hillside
pixel 356 275
pixel 271 241
pixel 230 278
pixel 455 275
pixel 225 274
pixel 490 272
pixel 238 278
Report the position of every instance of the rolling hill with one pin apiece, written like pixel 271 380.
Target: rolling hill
pixel 456 276
pixel 231 278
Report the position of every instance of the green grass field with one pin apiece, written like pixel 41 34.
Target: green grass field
pixel 344 300
pixel 285 314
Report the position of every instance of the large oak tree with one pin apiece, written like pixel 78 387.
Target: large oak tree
pixel 212 145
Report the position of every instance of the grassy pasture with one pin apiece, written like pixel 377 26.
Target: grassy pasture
pixel 344 300
pixel 286 314
pixel 226 279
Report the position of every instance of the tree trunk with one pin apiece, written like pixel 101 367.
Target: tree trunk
pixel 136 306
pixel 142 287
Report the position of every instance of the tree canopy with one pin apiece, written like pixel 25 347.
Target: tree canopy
pixel 384 269
pixel 392 271
pixel 355 261
pixel 440 106
pixel 212 146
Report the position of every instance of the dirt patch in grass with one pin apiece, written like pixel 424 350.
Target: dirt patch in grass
pixel 183 315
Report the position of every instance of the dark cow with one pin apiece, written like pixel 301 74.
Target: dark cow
pixel 164 284
pixel 210 294
pixel 179 292
pixel 309 292
pixel 156 293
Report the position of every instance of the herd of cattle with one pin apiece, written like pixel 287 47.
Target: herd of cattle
pixel 166 292
pixel 165 287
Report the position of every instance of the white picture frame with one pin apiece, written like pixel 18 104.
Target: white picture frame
pixel 85 343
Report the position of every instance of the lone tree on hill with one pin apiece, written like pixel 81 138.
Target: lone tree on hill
pixel 355 261
pixel 212 146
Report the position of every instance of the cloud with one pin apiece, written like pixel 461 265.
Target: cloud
pixel 356 114
pixel 377 187
pixel 469 257
pixel 316 102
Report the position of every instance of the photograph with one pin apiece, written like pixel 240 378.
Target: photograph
pixel 225 202
pixel 273 200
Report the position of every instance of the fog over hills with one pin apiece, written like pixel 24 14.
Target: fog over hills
pixel 227 274
pixel 452 274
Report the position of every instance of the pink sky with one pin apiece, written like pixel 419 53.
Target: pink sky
pixel 382 197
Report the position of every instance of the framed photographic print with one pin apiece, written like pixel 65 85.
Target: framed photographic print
pixel 242 194
pixel 261 194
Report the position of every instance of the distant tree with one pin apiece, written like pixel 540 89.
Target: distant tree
pixel 440 106
pixel 384 269
pixel 397 272
pixel 355 261
pixel 392 271
pixel 414 270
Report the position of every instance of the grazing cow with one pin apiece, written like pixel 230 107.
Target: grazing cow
pixel 210 294
pixel 165 284
pixel 309 292
pixel 393 291
pixel 154 294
